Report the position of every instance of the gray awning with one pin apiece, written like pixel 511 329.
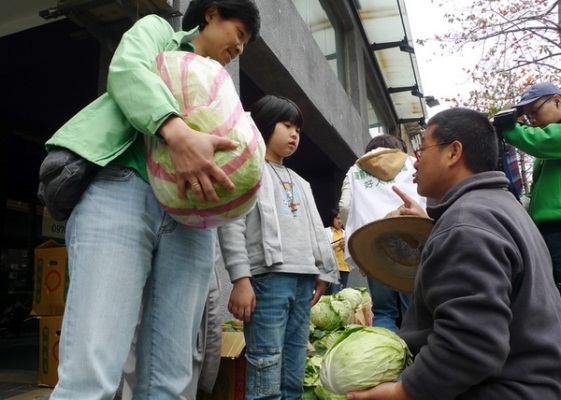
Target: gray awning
pixel 387 29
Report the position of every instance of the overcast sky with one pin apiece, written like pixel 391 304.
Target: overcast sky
pixel 441 75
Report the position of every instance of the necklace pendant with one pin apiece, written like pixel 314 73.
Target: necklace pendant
pixel 293 206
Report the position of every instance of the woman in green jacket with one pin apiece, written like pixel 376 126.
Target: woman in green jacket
pixel 123 248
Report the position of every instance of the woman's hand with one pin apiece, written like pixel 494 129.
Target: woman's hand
pixel 192 156
pixel 242 300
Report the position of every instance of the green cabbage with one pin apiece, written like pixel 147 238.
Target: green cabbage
pixel 353 295
pixel 322 345
pixel 309 393
pixel 311 373
pixel 209 109
pixel 363 357
pixel 324 394
pixel 332 312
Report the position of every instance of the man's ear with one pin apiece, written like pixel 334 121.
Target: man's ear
pixel 455 151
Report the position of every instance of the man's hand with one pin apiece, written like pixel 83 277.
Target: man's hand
pixel 409 206
pixel 384 391
pixel 192 156
pixel 242 300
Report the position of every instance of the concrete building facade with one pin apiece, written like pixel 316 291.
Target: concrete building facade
pixel 329 56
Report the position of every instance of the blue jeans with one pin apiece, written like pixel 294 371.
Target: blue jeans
pixel 277 336
pixel 388 305
pixel 124 250
pixel 553 242
pixel 343 282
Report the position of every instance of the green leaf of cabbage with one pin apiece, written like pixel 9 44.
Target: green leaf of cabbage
pixel 324 344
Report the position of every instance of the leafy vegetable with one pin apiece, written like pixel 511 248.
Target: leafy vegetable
pixel 210 104
pixel 363 357
pixel 323 394
pixel 311 375
pixel 354 296
pixel 332 312
pixel 327 340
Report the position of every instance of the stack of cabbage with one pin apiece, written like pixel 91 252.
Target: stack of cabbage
pixel 349 306
pixel 210 104
pixel 349 356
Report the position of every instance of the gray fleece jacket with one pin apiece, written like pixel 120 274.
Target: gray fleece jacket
pixel 252 245
pixel 485 319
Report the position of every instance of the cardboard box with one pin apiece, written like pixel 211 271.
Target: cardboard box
pixel 230 383
pixel 51 228
pixel 49 337
pixel 51 279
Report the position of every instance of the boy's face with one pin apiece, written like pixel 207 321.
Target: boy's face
pixel 283 142
pixel 221 39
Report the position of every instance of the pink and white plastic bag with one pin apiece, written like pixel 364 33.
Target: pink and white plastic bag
pixel 210 104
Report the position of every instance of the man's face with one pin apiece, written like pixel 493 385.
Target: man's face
pixel 543 111
pixel 431 171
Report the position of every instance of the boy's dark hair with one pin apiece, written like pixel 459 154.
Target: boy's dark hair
pixel 269 110
pixel 245 10
pixel 387 141
pixel 476 133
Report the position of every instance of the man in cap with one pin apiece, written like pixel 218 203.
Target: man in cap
pixel 485 318
pixel 540 105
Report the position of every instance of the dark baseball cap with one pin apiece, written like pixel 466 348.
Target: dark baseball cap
pixel 537 91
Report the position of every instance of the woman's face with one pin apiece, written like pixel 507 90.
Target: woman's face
pixel 337 221
pixel 221 39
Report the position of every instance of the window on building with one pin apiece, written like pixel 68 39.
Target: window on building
pixel 375 127
pixel 323 27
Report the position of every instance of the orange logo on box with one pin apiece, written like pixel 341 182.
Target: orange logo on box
pixel 53 280
pixel 55 350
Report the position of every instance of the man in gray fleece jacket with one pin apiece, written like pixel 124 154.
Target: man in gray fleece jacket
pixel 485 318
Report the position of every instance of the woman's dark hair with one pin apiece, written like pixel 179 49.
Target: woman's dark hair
pixel 245 10
pixel 476 133
pixel 269 110
pixel 328 218
pixel 334 213
pixel 387 141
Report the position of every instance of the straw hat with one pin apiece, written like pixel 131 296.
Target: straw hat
pixel 389 249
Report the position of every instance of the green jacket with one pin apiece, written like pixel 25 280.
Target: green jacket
pixel 136 100
pixel 545 145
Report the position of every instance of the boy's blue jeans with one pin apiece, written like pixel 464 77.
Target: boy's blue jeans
pixel 277 336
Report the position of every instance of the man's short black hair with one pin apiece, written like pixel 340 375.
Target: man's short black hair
pixel 245 10
pixel 476 133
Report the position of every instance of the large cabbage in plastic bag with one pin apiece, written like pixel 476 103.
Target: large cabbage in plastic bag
pixel 210 104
